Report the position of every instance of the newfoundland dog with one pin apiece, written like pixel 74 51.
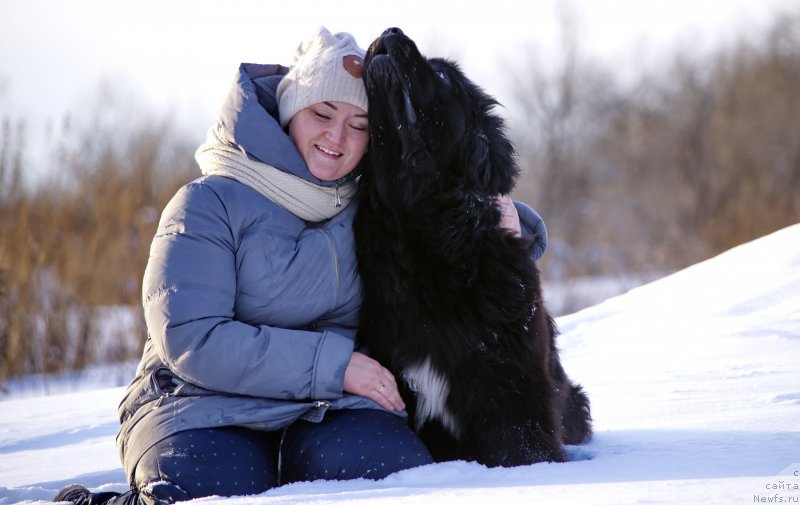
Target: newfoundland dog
pixel 452 302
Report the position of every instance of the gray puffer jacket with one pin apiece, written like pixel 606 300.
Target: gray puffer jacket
pixel 251 312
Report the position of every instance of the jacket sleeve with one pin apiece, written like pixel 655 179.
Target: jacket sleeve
pixel 189 293
pixel 533 229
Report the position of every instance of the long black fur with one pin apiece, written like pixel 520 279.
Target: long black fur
pixel 443 284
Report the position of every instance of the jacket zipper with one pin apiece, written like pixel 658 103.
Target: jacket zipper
pixel 335 255
pixel 337 200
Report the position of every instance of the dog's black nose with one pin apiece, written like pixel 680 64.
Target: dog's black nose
pixel 393 30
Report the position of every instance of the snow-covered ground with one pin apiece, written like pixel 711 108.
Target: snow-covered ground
pixel 695 387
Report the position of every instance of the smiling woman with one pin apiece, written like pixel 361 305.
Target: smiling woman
pixel 251 298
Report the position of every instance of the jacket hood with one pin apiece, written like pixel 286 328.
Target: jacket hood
pixel 249 119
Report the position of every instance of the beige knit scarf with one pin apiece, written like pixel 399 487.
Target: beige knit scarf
pixel 304 199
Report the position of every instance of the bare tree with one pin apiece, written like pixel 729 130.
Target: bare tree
pixel 681 163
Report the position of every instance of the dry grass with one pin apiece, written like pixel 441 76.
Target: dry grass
pixel 78 243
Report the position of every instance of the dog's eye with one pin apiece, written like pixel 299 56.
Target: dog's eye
pixel 442 75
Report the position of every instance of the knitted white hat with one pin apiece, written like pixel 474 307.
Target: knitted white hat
pixel 327 68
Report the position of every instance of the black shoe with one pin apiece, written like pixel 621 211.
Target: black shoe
pixel 74 493
pixel 79 495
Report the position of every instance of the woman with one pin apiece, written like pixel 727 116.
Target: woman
pixel 251 300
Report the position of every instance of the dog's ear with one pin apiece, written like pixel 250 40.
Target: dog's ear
pixel 492 164
pixel 477 161
pixel 503 160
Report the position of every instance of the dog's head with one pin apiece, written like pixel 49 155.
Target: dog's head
pixel 430 126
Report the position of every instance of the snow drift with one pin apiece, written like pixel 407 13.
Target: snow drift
pixel 695 388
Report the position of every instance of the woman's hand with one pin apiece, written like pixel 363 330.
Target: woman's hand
pixel 366 377
pixel 509 218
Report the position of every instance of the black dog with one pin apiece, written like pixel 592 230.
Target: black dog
pixel 452 302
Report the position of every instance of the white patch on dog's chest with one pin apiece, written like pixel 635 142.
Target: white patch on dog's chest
pixel 432 390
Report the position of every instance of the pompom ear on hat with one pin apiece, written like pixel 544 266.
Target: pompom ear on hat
pixel 327 68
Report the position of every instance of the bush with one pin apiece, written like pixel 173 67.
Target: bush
pixel 76 244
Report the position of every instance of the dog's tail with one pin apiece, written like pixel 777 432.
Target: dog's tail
pixel 576 416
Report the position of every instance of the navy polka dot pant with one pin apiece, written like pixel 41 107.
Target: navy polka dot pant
pixel 347 444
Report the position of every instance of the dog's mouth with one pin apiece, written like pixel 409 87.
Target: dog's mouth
pixel 392 43
pixel 377 49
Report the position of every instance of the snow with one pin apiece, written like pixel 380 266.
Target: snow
pixel 695 388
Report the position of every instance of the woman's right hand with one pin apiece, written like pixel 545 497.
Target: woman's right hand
pixel 366 377
pixel 509 218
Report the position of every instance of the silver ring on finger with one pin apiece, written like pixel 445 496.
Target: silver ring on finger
pixel 383 386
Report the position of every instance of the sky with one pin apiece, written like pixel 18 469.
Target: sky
pixel 693 378
pixel 177 58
